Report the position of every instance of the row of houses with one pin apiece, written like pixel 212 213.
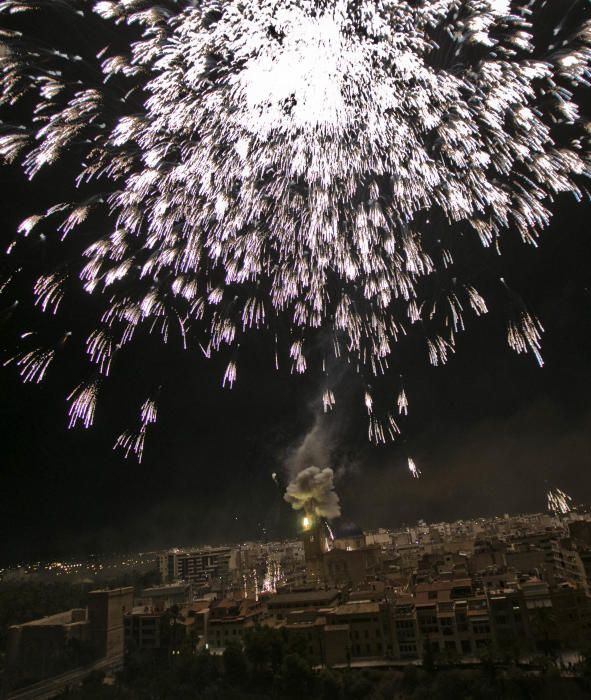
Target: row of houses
pixel 454 618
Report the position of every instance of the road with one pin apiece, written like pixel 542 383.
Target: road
pixel 51 687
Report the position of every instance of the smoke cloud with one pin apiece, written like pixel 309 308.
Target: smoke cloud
pixel 314 448
pixel 313 491
pixel 327 438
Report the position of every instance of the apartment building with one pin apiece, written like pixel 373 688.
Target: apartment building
pixel 212 565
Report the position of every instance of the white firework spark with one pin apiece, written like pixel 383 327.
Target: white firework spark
pixel 83 404
pixel 99 347
pixel 230 375
pixel 134 441
pixel 273 576
pixel 49 291
pixel 402 403
pixel 328 400
pixel 33 365
pixel 130 441
pixel 414 470
pixel 149 413
pixel 302 165
pixel 524 335
pixel 559 502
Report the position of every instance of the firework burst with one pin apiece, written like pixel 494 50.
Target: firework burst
pixel 559 502
pixel 303 168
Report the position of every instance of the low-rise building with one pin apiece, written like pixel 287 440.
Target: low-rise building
pixel 144 629
pixel 164 597
pixel 229 620
pixel 280 604
pixel 49 646
pixel 370 628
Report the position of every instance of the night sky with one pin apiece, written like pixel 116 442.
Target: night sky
pixel 491 431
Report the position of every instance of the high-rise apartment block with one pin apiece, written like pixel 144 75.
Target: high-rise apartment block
pixel 206 565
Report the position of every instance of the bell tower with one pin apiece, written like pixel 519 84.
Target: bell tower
pixel 316 538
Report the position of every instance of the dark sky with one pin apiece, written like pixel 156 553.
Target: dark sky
pixel 491 431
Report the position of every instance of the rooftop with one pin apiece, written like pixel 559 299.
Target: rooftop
pixel 166 588
pixel 111 591
pixel 357 608
pixel 69 617
pixel 303 597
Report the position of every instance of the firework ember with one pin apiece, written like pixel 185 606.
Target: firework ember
pixel 305 169
pixel 559 502
pixel 414 470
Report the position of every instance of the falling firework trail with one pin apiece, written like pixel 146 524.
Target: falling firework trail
pixel 294 168
pixel 130 441
pixel 414 470
pixel 559 503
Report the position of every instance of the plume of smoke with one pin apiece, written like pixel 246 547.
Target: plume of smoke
pixel 325 439
pixel 313 491
pixel 325 442
pixel 314 447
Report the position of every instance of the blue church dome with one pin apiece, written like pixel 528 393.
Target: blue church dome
pixel 346 530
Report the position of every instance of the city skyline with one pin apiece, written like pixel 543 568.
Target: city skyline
pixel 503 590
pixel 105 564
